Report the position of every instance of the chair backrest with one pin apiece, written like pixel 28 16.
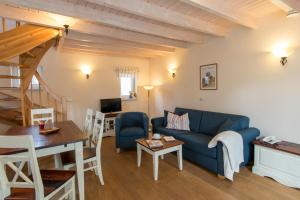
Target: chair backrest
pixel 43 114
pixel 87 126
pixel 97 135
pixel 16 164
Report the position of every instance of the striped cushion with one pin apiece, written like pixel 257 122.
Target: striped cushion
pixel 178 122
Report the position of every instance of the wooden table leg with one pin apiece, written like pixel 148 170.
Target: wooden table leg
pixel 139 155
pixel 155 166
pixel 179 158
pixel 79 168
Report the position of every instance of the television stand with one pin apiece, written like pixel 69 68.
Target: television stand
pixel 109 124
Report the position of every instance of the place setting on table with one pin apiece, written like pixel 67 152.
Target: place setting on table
pixel 47 128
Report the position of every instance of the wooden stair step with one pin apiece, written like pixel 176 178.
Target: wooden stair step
pixel 9 121
pixel 10 77
pixel 9 99
pixel 9 88
pixel 11 64
pixel 6 94
pixel 14 109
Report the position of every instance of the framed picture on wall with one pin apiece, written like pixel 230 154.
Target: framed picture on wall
pixel 209 77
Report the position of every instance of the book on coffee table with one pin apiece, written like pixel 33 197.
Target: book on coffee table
pixel 169 138
pixel 154 143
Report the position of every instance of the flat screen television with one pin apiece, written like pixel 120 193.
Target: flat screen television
pixel 110 105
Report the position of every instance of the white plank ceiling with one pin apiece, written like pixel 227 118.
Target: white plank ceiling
pixel 141 28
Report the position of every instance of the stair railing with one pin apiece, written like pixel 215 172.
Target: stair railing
pixel 41 96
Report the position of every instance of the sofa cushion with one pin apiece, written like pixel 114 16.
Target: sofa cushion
pixel 132 131
pixel 196 142
pixel 211 122
pixel 178 122
pixel 229 125
pixel 195 117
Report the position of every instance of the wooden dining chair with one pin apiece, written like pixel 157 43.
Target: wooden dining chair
pixel 46 115
pixel 42 114
pixel 91 154
pixel 41 185
pixel 88 122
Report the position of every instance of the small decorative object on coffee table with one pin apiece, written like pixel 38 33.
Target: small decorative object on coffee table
pixel 166 147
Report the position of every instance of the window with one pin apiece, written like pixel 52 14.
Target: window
pixel 128 79
pixel 128 87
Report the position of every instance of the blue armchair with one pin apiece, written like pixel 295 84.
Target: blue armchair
pixel 129 127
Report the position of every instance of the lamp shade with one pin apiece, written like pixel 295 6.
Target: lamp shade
pixel 148 87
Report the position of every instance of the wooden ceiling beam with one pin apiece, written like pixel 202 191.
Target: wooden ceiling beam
pixel 101 47
pixel 287 5
pixel 110 53
pixel 224 10
pixel 105 16
pixel 46 19
pixel 150 10
pixel 116 42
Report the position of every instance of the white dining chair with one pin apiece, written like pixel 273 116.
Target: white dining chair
pixel 42 185
pixel 88 122
pixel 91 154
pixel 42 114
pixel 46 115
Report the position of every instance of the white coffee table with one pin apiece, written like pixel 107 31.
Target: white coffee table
pixel 159 152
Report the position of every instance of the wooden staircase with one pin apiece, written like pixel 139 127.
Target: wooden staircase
pixel 27 44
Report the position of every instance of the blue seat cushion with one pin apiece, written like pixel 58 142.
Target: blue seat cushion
pixel 195 142
pixel 132 131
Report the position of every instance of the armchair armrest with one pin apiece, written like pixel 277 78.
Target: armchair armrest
pixel 145 124
pixel 118 123
pixel 157 122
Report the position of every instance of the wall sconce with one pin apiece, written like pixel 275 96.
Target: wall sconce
pixel 172 71
pixel 282 52
pixel 292 14
pixel 66 29
pixel 85 69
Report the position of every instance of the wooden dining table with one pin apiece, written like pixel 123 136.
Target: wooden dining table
pixel 68 138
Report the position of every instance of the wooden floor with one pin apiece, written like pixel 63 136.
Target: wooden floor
pixel 124 180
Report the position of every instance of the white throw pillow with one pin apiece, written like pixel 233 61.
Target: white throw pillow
pixel 178 122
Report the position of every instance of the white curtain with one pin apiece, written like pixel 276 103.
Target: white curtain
pixel 126 72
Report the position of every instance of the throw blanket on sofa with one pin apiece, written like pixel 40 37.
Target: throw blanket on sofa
pixel 233 149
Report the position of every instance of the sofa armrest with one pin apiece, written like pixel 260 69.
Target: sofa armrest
pixel 157 122
pixel 249 134
pixel 145 124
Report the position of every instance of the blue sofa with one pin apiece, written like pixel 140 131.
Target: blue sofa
pixel 204 126
pixel 130 126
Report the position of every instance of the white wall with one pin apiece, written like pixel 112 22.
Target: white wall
pixel 62 73
pixel 251 80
